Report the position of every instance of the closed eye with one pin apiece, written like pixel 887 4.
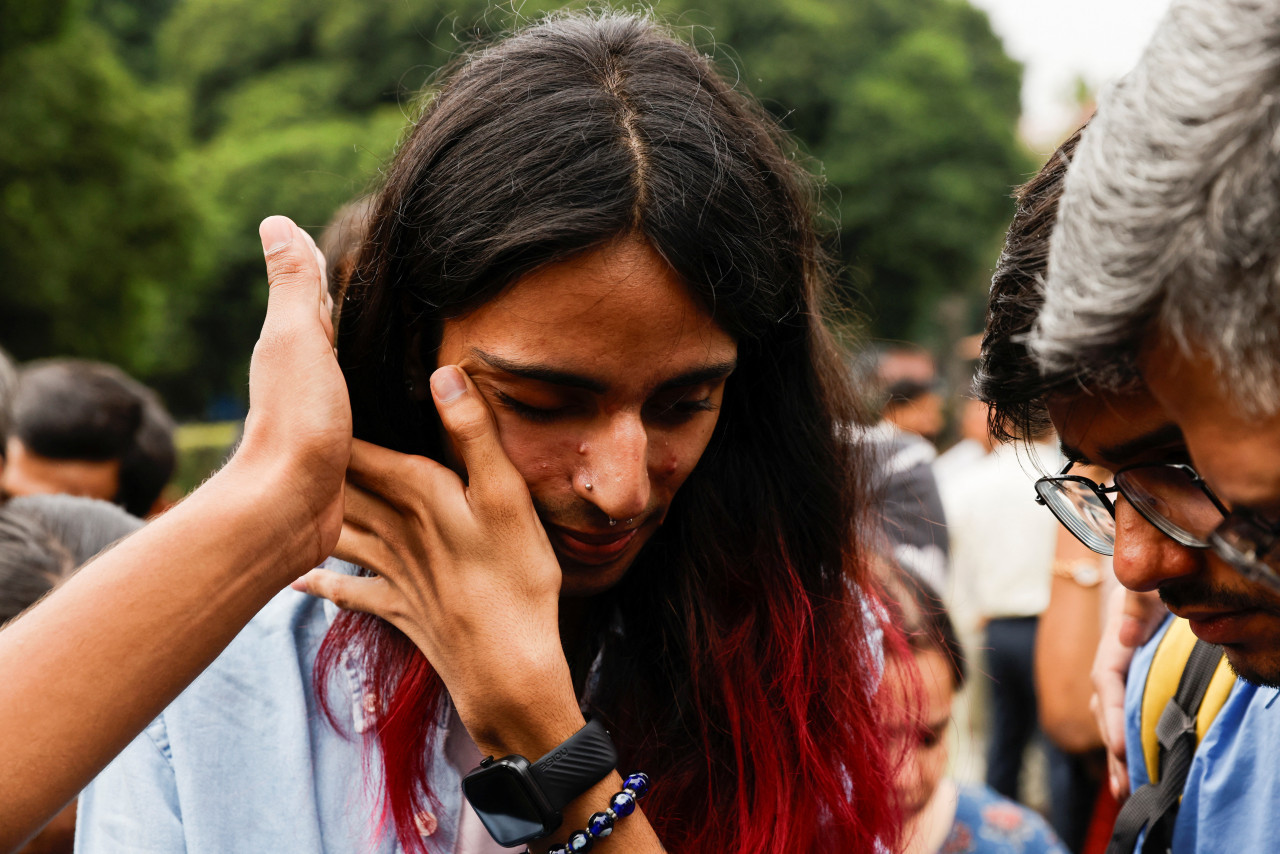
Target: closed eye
pixel 538 414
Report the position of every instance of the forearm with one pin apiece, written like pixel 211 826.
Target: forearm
pixel 1065 643
pixel 90 666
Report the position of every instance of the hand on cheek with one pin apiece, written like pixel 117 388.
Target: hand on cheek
pixel 463 569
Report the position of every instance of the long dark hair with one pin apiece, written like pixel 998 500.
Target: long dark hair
pixel 743 679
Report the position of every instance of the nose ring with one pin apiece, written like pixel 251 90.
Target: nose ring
pixel 613 523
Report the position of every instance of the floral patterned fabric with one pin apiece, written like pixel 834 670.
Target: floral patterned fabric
pixel 986 823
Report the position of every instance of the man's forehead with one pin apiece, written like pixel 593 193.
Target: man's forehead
pixel 1113 428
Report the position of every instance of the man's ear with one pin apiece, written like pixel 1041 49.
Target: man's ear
pixel 417 372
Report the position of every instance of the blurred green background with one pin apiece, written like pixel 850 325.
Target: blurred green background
pixel 141 142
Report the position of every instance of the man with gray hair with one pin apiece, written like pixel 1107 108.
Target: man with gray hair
pixel 1166 264
pixel 1211 787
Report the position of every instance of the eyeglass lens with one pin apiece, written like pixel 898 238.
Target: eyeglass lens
pixel 1170 498
pixel 1082 510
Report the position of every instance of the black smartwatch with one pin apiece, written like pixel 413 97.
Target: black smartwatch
pixel 517 800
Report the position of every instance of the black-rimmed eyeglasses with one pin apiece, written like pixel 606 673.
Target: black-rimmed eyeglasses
pixel 1176 500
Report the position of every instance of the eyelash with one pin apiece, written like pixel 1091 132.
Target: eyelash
pixel 679 411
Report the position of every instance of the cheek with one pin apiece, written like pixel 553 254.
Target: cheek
pixel 673 457
pixel 542 456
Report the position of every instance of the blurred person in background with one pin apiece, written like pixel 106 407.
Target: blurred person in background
pixel 43 540
pixel 8 382
pixel 87 428
pixel 942 815
pixel 974 442
pixel 913 526
pixel 1070 623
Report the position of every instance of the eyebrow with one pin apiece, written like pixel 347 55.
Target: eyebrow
pixel 543 373
pixel 1165 434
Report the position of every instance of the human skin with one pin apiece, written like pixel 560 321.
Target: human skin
pixel 29 473
pixel 1237 455
pixel 91 665
pixel 1116 430
pixel 921 691
pixel 586 392
pixel 1069 631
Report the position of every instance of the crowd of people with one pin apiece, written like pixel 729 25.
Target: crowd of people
pixel 560 519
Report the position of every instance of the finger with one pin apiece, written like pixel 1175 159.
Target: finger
pixel 364 507
pixel 1142 614
pixel 363 548
pixel 401 481
pixel 349 592
pixel 470 426
pixel 1118 774
pixel 293 276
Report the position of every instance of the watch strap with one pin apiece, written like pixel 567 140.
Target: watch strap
pixel 578 763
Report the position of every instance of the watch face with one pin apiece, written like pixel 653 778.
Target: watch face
pixel 503 802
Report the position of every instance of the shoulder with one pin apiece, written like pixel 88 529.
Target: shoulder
pixel 988 823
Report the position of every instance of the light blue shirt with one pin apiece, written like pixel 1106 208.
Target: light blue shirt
pixel 1231 801
pixel 245 761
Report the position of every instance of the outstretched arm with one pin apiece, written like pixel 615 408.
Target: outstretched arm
pixel 87 668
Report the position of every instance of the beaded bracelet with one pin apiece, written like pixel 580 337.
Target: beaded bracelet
pixel 600 824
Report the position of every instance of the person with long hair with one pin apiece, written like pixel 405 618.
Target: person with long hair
pixel 601 478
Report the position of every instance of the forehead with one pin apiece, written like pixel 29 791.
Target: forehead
pixel 617 308
pixel 1238 455
pixel 1114 429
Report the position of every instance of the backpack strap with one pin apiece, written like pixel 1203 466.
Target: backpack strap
pixel 1173 736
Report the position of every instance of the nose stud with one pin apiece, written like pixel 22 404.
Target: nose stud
pixel 587 487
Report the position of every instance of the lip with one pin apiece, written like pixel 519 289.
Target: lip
pixel 1220 627
pixel 590 547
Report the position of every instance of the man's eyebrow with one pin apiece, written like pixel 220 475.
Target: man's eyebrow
pixel 1166 434
pixel 1074 454
pixel 543 373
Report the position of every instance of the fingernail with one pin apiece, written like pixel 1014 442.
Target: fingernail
pixel 300 584
pixel 447 384
pixel 275 233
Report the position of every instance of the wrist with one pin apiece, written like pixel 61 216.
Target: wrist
pixel 526 715
pixel 275 521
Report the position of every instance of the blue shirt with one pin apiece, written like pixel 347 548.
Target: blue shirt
pixel 1231 801
pixel 245 761
pixel 987 823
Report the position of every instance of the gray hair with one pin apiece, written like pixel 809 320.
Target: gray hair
pixel 1170 218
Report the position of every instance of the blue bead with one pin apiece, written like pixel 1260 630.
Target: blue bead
pixel 638 783
pixel 580 841
pixel 600 825
pixel 623 803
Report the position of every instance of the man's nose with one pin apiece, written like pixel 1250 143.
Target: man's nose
pixel 617 463
pixel 1145 557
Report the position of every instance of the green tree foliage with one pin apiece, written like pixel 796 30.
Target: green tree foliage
pixel 909 109
pixel 98 233
pixel 251 107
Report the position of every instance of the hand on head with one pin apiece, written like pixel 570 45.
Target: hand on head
pixel 299 422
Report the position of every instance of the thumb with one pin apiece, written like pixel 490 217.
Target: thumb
pixel 470 426
pixel 295 271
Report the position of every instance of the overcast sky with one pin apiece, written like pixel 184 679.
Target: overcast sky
pixel 1058 41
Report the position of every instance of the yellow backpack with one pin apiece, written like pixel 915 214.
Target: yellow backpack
pixel 1186 687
